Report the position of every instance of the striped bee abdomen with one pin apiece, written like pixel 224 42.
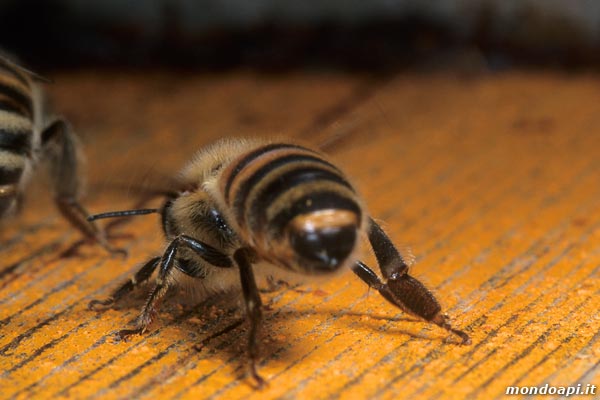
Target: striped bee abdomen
pixel 287 193
pixel 15 91
pixel 16 132
pixel 15 148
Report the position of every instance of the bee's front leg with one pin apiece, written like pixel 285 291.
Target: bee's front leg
pixel 142 275
pixel 164 280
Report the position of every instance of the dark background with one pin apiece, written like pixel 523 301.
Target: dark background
pixel 273 35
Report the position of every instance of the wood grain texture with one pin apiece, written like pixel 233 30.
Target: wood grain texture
pixel 492 180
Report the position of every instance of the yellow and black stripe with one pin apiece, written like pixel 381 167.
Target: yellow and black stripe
pixel 16 130
pixel 15 90
pixel 275 187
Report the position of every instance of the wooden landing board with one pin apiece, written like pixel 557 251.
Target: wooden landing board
pixel 494 182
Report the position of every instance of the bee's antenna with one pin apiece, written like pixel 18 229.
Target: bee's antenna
pixel 126 213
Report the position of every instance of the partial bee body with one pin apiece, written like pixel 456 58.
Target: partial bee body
pixel 259 207
pixel 29 136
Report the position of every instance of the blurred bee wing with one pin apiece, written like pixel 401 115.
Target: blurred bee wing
pixel 340 124
pixel 342 134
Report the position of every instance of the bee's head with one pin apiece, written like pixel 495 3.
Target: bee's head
pixel 322 241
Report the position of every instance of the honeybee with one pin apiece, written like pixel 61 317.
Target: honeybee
pixel 30 136
pixel 251 207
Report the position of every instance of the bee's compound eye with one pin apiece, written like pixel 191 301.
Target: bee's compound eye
pixel 323 250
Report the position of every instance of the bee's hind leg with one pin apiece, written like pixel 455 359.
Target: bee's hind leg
pixel 410 295
pixel 400 288
pixel 61 151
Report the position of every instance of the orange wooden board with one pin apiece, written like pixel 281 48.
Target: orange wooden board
pixel 492 180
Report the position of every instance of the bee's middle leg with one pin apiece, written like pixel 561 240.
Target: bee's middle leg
pixel 253 309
